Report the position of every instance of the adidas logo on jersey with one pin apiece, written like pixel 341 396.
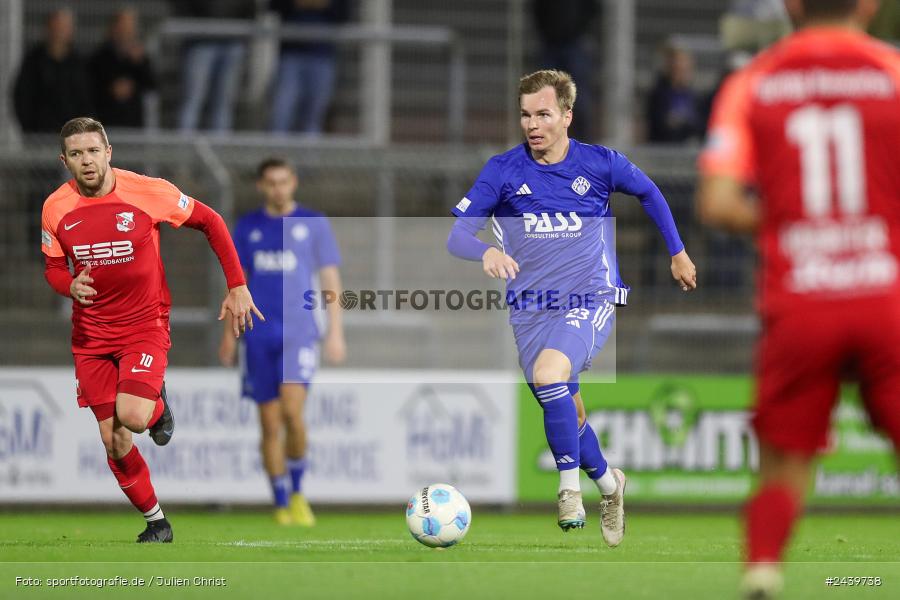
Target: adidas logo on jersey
pixel 523 190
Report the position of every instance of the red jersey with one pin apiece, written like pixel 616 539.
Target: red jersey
pixel 814 125
pixel 118 234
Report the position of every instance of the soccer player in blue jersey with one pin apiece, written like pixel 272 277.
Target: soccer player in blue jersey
pixel 283 249
pixel 549 202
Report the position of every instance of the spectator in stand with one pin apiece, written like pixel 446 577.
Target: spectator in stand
pixel 121 73
pixel 51 86
pixel 564 29
pixel 751 25
pixel 212 66
pixel 674 108
pixel 307 71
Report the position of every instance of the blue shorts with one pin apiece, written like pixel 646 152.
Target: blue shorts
pixel 578 333
pixel 270 360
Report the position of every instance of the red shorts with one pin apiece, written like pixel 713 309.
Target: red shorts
pixel 134 365
pixel 802 358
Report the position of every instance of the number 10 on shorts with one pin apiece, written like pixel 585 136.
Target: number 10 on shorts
pixel 146 360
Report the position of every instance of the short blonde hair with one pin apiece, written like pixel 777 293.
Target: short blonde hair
pixel 560 81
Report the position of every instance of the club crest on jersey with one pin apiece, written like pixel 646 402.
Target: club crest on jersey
pixel 300 232
pixel 125 221
pixel 581 186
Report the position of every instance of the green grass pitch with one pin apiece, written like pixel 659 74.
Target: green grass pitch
pixel 360 555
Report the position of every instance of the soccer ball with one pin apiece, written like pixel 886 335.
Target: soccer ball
pixel 438 515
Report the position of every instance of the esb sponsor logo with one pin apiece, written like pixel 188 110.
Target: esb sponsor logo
pixel 103 250
pixel 544 223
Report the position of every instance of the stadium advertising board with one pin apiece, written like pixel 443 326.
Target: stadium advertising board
pixel 689 440
pixel 374 437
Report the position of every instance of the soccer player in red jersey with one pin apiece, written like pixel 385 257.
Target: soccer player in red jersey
pixel 106 221
pixel 813 124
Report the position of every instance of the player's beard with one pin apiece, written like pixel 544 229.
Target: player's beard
pixel 94 184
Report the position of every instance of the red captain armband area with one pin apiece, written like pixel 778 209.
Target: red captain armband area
pixel 213 226
pixel 56 272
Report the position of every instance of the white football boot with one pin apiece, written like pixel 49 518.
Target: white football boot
pixel 762 581
pixel 612 512
pixel 571 510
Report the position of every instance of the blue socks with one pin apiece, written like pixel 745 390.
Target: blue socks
pixel 592 461
pixel 289 483
pixel 560 424
pixel 280 485
pixel 296 466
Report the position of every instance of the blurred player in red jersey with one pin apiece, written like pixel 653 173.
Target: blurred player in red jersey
pixel 813 124
pixel 106 221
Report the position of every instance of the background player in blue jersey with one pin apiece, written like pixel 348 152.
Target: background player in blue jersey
pixel 549 202
pixel 284 248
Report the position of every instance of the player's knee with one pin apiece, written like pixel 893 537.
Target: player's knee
pixel 132 417
pixel 118 444
pixel 581 415
pixel 295 426
pixel 548 375
pixel 271 430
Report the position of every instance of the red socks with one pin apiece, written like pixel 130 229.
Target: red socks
pixel 769 518
pixel 157 413
pixel 134 478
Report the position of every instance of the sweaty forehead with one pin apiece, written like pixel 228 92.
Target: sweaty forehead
pixel 543 99
pixel 81 141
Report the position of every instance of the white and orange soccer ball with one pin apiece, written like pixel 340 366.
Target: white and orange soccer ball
pixel 438 515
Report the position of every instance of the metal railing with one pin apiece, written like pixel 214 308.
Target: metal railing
pixel 375 80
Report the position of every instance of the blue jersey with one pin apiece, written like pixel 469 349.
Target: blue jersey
pixel 555 221
pixel 282 257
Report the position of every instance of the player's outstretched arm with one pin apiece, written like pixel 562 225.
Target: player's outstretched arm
pixel 635 182
pixel 238 306
pixel 56 271
pixel 463 240
pixel 499 265
pixel 335 346
pixel 464 244
pixel 684 272
pixel 723 202
pixel 227 346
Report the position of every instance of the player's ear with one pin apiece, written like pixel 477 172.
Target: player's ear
pixel 568 117
pixel 866 11
pixel 795 11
